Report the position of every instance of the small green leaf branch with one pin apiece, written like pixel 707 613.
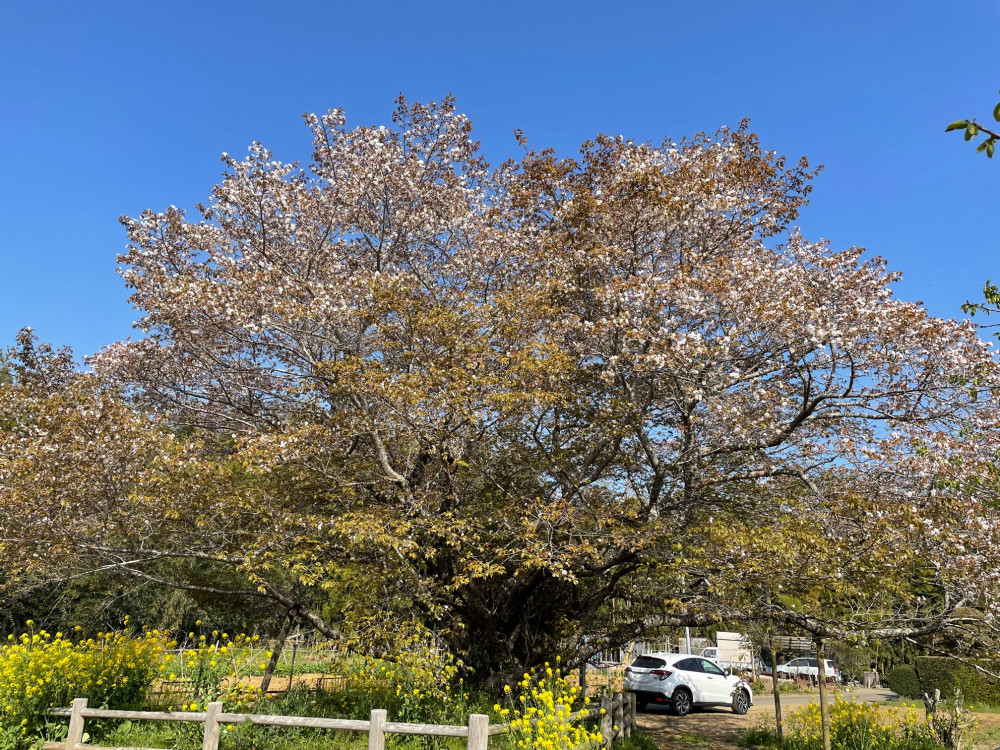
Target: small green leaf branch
pixel 973 129
pixel 989 306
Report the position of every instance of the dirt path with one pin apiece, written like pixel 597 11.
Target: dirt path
pixel 280 683
pixel 720 728
pixel 706 728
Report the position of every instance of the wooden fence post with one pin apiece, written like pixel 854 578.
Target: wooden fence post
pixel 583 680
pixel 629 715
pixel 376 731
pixel 479 732
pixel 607 733
pixel 212 728
pixel 619 718
pixel 74 736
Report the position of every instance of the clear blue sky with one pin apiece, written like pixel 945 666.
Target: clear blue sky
pixel 107 108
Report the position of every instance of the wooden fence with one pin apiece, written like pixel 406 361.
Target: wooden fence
pixel 617 714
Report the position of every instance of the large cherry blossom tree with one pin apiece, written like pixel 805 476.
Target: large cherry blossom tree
pixel 533 408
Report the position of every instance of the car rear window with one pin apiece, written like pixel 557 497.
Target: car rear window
pixel 648 662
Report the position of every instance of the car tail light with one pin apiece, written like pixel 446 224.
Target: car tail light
pixel 661 673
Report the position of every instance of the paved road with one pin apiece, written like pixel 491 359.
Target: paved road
pixel 722 727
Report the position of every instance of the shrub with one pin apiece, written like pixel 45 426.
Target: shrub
pixel 39 671
pixel 759 736
pixel 903 680
pixel 941 673
pixel 215 666
pixel 784 686
pixel 417 685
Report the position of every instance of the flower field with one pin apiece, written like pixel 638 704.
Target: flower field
pixel 854 725
pixel 130 670
pixel 41 670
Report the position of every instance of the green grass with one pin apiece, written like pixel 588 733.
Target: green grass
pixel 249 737
pixel 976 708
pixel 638 741
pixel 901 703
pixel 985 736
pixel 759 736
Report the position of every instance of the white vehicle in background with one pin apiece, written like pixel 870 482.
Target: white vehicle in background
pixel 731 651
pixel 683 681
pixel 740 661
pixel 807 666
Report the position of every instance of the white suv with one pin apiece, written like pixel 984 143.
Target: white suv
pixel 682 681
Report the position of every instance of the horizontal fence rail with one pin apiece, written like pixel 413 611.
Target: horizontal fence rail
pixel 617 719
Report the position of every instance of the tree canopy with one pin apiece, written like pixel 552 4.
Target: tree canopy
pixel 535 408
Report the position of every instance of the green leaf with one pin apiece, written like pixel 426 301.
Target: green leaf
pixel 971 131
pixel 958 124
pixel 991 292
pixel 990 145
pixel 982 146
pixel 996 112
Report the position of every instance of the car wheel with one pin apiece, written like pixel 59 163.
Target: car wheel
pixel 641 705
pixel 681 702
pixel 741 702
